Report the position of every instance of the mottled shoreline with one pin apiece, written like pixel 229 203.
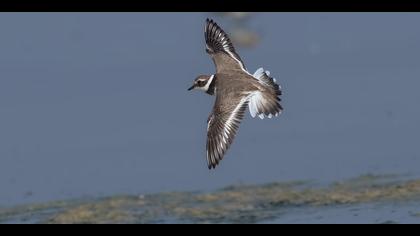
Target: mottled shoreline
pixel 234 204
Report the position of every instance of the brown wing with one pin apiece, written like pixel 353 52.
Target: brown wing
pixel 220 48
pixel 222 126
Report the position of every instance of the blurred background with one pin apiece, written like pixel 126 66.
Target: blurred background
pixel 95 104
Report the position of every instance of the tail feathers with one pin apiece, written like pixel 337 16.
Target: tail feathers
pixel 263 103
pixel 264 78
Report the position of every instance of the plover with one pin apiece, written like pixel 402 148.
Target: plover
pixel 235 90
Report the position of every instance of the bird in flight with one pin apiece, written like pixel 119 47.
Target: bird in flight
pixel 235 90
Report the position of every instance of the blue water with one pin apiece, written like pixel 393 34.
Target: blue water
pixel 372 213
pixel 95 104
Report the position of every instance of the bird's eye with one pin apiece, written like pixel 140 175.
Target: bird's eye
pixel 201 83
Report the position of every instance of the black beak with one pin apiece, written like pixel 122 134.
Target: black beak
pixel 192 87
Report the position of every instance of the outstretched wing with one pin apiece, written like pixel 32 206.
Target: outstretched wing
pixel 222 126
pixel 220 48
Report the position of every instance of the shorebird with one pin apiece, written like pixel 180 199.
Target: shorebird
pixel 235 90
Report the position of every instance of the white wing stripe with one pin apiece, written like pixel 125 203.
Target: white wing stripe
pixel 232 118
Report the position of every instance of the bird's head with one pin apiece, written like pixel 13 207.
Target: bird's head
pixel 203 82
